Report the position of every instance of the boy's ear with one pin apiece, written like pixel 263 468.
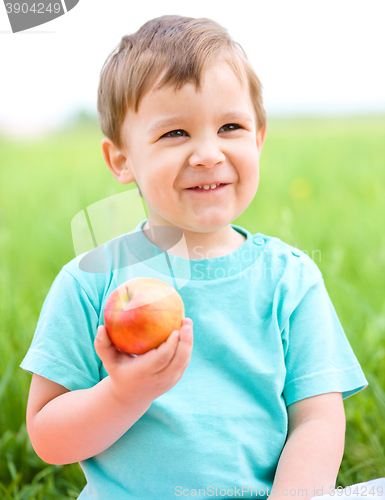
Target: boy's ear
pixel 261 135
pixel 116 161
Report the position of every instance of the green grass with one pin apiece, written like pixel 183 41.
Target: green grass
pixel 322 189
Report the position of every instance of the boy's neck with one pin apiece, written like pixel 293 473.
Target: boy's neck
pixel 202 245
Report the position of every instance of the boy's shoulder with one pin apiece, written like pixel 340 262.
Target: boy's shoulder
pixel 275 244
pixel 75 275
pixel 279 254
pixel 98 264
pixel 95 270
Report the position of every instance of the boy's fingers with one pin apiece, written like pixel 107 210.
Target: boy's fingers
pixel 183 353
pixel 104 347
pixel 181 358
pixel 157 359
pixel 154 360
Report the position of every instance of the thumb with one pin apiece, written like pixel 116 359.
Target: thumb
pixel 104 347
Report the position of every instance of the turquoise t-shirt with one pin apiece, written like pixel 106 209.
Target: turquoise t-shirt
pixel 265 335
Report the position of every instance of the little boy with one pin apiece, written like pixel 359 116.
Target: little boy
pixel 255 409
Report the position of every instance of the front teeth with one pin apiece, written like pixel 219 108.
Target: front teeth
pixel 207 186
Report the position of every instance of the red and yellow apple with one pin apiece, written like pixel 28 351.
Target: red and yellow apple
pixel 141 313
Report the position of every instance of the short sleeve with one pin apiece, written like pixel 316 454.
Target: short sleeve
pixel 62 347
pixel 318 356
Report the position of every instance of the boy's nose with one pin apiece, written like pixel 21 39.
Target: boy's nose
pixel 206 154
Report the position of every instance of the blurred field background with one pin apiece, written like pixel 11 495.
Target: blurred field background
pixel 322 189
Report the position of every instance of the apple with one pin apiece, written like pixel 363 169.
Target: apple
pixel 141 313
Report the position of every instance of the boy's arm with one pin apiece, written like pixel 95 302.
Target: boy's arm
pixel 69 426
pixel 76 425
pixel 314 448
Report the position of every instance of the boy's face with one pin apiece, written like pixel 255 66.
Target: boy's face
pixel 211 137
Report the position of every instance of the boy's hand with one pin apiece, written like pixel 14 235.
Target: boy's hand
pixel 149 375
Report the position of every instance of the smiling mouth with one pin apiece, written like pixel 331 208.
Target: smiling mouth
pixel 207 188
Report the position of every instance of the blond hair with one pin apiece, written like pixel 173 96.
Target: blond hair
pixel 182 48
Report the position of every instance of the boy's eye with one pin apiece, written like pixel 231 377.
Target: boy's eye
pixel 175 133
pixel 231 126
pixel 182 133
